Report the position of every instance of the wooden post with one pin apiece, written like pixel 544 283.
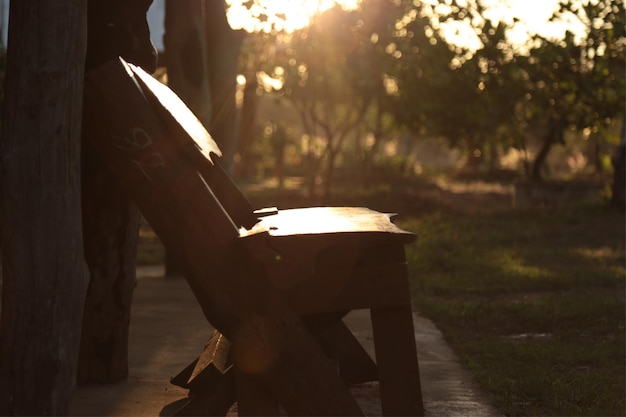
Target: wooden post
pixel 185 48
pixel 110 219
pixel 110 230
pixel 187 71
pixel 44 275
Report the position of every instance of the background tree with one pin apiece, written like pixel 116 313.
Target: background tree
pixel 44 276
pixel 317 84
pixel 223 49
pixel 402 59
pixel 577 84
pixel 554 94
pixel 369 73
pixel 202 57
pixel 465 93
pixel 478 96
pixel 602 58
pixel 258 49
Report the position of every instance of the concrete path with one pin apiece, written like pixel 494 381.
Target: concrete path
pixel 168 331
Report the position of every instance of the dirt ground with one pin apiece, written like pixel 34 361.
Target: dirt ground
pixel 168 331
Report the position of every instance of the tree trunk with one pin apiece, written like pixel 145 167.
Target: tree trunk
pixel 333 152
pixel 44 272
pixel 110 219
pixel 187 72
pixel 618 189
pixel 595 151
pixel 185 45
pixel 247 128
pixel 540 160
pixel 553 136
pixel 223 49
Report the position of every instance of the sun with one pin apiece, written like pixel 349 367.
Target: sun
pixel 279 15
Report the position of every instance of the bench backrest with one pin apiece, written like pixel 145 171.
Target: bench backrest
pixel 200 146
pixel 133 124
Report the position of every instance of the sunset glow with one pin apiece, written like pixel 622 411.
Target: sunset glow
pixel 279 15
pixel 525 17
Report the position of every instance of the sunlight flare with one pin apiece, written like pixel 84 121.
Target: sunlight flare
pixel 279 15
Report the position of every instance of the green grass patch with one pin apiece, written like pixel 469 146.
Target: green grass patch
pixel 532 302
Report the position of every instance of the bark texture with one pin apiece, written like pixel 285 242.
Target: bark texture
pixel 42 249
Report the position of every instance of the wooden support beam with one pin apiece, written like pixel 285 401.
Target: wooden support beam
pixel 396 356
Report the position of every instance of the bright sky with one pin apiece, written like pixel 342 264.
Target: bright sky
pixel 291 15
pixel 287 15
pixel 533 17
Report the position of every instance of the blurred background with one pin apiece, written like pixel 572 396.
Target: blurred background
pixel 347 90
pixel 314 93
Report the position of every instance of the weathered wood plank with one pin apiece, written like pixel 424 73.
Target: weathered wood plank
pixel 193 137
pixel 355 364
pixel 396 356
pixel 215 402
pixel 215 354
pixel 110 233
pixel 181 379
pixel 253 399
pixel 341 290
pixel 205 373
pixel 331 220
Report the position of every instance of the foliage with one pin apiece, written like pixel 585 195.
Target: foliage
pixel 478 98
pixel 317 81
pixel 388 66
pixel 601 61
pixel 467 102
pixel 577 84
pixel 532 302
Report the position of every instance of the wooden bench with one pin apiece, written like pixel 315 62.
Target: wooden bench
pixel 274 283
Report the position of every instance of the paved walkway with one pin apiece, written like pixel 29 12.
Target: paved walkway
pixel 168 331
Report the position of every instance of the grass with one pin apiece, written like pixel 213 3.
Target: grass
pixel 532 302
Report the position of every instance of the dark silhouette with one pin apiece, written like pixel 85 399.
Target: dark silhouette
pixel 110 220
pixel 119 28
pixel 44 276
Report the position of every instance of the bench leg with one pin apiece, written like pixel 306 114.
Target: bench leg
pixel 396 357
pixel 214 401
pixel 252 398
